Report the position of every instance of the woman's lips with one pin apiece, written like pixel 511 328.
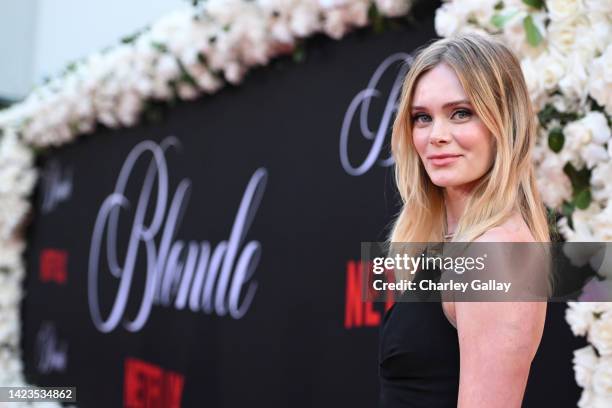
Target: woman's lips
pixel 443 160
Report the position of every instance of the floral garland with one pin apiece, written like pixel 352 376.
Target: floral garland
pixel 565 48
pixel 188 53
pixel 566 56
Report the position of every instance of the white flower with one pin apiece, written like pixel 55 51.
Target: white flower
pixel 447 20
pixel 583 230
pixel 586 399
pixel 10 326
pixel 599 31
pixel 602 378
pixel 305 19
pixel 553 183
pixel 601 6
pixel 516 38
pixel 564 9
pixel 599 401
pixel 585 360
pixel 579 135
pixel 594 154
pixel 601 187
pixel 551 69
pixel 533 79
pixel 234 72
pixel 335 26
pixel 580 317
pixel 562 35
pixel 600 79
pixel 595 289
pixel 600 335
pixel 603 226
pixel 393 8
pixel 573 84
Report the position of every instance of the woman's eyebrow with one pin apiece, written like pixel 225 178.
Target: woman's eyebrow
pixel 446 105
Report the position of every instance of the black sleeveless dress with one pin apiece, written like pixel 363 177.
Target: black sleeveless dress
pixel 419 353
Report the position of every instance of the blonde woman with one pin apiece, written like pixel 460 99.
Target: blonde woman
pixel 462 142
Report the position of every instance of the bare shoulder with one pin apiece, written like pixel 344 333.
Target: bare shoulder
pixel 514 229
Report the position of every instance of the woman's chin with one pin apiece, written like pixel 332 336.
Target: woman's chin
pixel 445 182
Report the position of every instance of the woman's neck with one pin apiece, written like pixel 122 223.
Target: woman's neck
pixel 455 199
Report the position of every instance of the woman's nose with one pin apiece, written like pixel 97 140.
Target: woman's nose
pixel 439 134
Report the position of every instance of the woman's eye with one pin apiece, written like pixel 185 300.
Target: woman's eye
pixel 463 114
pixel 416 118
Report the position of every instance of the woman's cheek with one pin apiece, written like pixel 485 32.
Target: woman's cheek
pixel 419 138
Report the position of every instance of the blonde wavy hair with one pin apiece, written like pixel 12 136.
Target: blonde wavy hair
pixel 493 81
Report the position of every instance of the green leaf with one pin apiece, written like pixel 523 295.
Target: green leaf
pixel 547 114
pixel 556 140
pixel 299 53
pixel 159 46
pixel 567 209
pixel 533 34
pixel 582 199
pixel 580 178
pixel 537 4
pixel 499 20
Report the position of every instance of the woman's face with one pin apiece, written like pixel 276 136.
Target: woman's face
pixel 453 143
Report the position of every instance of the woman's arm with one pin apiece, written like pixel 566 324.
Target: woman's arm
pixel 497 342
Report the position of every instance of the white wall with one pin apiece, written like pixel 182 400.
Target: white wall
pixel 40 37
pixel 17 28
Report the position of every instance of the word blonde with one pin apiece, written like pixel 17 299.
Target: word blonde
pixel 414 263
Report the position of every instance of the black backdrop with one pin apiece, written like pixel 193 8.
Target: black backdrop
pixel 294 345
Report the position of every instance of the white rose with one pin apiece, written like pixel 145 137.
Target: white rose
pixel 357 12
pixel 186 91
pixel 327 4
pixel 564 9
pixel 602 377
pixel 580 317
pixel 601 6
pixel 447 20
pixel 591 129
pixel 334 25
pixel 583 230
pixel 600 79
pixel 551 68
pixel 603 228
pixel 586 399
pixel 585 360
pixel 594 154
pixel 596 290
pixel 601 402
pixel 601 187
pixel 516 38
pixel 599 32
pixel 393 8
pixel 597 125
pixel 553 183
pixel 562 35
pixel 533 80
pixel 234 72
pixel 574 83
pixel 305 19
pixel 600 335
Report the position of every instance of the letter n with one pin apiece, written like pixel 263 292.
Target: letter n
pixel 353 312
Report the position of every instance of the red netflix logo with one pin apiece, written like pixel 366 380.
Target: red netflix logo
pixel 358 313
pixel 53 264
pixel 149 386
